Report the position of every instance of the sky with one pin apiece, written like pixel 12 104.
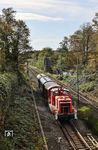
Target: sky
pixel 50 20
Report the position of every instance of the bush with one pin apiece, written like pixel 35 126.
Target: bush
pixel 90 77
pixel 93 123
pixel 7 82
pixel 84 112
pixel 87 87
pixel 89 69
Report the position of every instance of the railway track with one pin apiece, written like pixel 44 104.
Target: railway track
pixel 40 124
pixel 37 116
pixel 75 139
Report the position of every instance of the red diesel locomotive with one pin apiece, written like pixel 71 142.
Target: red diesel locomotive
pixel 58 98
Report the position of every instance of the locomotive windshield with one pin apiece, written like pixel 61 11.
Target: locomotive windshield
pixel 56 93
pixel 60 93
pixel 65 92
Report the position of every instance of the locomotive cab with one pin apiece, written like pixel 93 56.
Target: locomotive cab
pixel 54 93
pixel 61 102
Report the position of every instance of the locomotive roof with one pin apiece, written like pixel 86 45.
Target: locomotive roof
pixel 54 89
pixel 49 85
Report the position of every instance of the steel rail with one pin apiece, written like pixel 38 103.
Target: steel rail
pixel 66 135
pixel 80 136
pixel 39 120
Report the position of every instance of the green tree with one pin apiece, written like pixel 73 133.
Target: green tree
pixel 15 38
pixel 87 42
pixel 63 45
pixel 75 41
pixel 95 39
pixel 82 41
pixel 20 41
pixel 46 52
pixel 6 31
pixel 63 53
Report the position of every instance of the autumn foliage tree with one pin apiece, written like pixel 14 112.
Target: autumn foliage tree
pixel 14 39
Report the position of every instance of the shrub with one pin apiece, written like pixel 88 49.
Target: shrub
pixel 93 123
pixel 7 82
pixel 84 112
pixel 87 87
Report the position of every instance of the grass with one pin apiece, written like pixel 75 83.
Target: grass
pixel 7 83
pixel 22 120
pixel 86 114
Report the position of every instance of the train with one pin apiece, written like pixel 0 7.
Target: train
pixel 58 98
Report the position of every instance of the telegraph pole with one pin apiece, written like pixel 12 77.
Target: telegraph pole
pixel 77 71
pixel 27 67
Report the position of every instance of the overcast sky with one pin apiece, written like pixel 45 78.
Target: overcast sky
pixel 50 20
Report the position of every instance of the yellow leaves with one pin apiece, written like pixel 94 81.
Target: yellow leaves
pixel 6 27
